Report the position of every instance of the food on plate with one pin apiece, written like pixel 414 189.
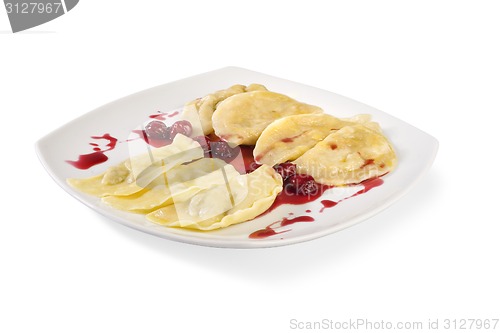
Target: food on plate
pixel 182 181
pixel 348 156
pixel 234 154
pixel 287 138
pixel 134 174
pixel 241 118
pixel 205 106
pixel 243 198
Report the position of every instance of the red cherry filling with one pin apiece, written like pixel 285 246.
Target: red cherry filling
pixel 294 183
pixel 285 170
pixel 224 151
pixel 302 184
pixel 157 130
pixel 181 127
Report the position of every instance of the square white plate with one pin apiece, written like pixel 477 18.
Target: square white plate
pixel 416 151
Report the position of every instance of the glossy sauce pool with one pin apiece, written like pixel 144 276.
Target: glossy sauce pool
pixel 283 198
pixel 86 161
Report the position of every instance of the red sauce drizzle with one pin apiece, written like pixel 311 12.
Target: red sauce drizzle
pixel 247 159
pixel 270 230
pixel 163 115
pixel 367 186
pixel 296 199
pixel 158 116
pixel 288 221
pixel 87 161
pixel 264 233
pixel 287 197
pixel 327 204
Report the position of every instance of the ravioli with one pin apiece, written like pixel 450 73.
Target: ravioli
pixel 243 198
pixel 204 107
pixel 240 119
pixel 136 173
pixel 348 156
pixel 177 184
pixel 288 138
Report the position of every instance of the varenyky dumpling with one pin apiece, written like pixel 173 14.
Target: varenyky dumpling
pixel 243 198
pixel 134 174
pixel 204 107
pixel 179 183
pixel 241 118
pixel 287 138
pixel 348 156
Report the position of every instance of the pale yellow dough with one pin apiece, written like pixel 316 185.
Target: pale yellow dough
pixel 204 107
pixel 241 118
pixel 136 173
pixel 241 199
pixel 348 156
pixel 177 184
pixel 286 139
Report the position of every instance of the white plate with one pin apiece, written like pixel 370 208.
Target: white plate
pixel 416 151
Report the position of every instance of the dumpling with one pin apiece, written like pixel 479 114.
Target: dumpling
pixel 178 184
pixel 288 138
pixel 348 156
pixel 136 173
pixel 243 198
pixel 204 107
pixel 240 119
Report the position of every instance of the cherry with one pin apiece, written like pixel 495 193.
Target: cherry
pixel 224 151
pixel 181 127
pixel 285 170
pixel 302 184
pixel 157 130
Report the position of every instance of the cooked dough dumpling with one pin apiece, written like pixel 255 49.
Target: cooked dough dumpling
pixel 348 156
pixel 134 174
pixel 205 106
pixel 243 198
pixel 240 119
pixel 178 184
pixel 288 138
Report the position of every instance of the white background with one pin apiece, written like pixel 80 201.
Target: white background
pixel 432 255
